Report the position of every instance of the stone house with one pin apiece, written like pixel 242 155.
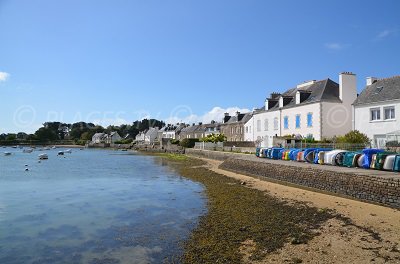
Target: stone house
pixel 233 126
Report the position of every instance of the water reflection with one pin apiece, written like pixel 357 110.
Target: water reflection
pixel 94 207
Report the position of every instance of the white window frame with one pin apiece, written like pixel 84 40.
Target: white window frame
pixel 276 123
pixel 389 108
pixel 258 125
pixel 372 111
pixel 266 124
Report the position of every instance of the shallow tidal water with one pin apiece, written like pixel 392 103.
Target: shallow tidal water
pixel 94 206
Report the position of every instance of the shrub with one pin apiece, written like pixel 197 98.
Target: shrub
pixel 393 143
pixel 124 141
pixel 188 142
pixel 174 141
pixel 354 137
pixel 214 138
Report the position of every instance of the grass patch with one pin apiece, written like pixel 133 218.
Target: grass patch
pixel 237 214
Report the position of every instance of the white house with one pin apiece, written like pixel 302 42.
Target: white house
pixel 140 137
pixel 99 138
pixel 318 109
pixel 151 135
pixel 377 109
pixel 170 131
pixel 112 137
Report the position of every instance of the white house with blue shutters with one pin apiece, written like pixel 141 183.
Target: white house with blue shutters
pixel 318 109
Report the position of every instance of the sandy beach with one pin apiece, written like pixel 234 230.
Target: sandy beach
pixel 373 235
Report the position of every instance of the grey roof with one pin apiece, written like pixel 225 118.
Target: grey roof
pixel 320 91
pixel 381 90
pixel 243 118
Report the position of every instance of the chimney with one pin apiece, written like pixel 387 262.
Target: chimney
pixel 371 80
pixel 347 87
pixel 237 113
pixel 226 114
pixel 266 104
pixel 200 123
pixel 212 122
pixel 298 97
pixel 193 124
pixel 275 95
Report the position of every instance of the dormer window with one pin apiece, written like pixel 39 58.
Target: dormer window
pixel 378 89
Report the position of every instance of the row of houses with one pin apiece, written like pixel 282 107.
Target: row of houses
pixel 315 109
pixel 312 109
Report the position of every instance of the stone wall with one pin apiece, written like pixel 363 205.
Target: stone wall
pixel 382 190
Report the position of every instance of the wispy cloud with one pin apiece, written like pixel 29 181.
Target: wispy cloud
pixel 216 114
pixel 335 46
pixel 4 76
pixel 385 33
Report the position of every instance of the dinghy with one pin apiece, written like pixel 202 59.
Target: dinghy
pixel 389 162
pixel 43 156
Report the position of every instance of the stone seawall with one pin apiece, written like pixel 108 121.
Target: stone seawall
pixel 367 185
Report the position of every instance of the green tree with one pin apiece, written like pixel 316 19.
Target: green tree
pixel 46 134
pixel 11 137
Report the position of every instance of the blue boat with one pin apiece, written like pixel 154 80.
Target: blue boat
pixel 368 156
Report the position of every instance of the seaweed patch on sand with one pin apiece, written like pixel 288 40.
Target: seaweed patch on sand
pixel 237 215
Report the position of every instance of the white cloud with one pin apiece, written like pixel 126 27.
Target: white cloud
pixel 216 114
pixel 385 33
pixel 4 76
pixel 335 46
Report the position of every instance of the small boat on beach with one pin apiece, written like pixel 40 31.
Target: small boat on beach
pixel 53 147
pixel 46 148
pixel 68 151
pixel 60 153
pixel 7 153
pixel 43 156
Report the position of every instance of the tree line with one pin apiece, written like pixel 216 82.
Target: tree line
pixel 81 131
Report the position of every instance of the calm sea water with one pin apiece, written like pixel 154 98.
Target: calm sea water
pixel 93 206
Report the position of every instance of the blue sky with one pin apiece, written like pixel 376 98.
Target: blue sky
pixel 118 61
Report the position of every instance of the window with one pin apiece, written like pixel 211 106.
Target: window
pixel 286 122
pixel 297 121
pixel 375 114
pixel 258 125
pixel 247 129
pixel 389 112
pixel 266 124
pixel 309 120
pixel 276 123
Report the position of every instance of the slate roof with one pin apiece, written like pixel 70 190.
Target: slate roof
pixel 320 91
pixel 243 118
pixel 381 90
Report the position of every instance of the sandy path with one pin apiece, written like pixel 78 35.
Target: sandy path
pixel 338 242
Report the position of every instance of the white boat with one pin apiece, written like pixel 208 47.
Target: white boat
pixel 43 156
pixel 46 148
pixel 28 150
pixel 329 156
pixel 7 153
pixel 54 147
pixel 60 153
pixel 68 151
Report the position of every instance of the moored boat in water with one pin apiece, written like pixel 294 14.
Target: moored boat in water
pixel 43 156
